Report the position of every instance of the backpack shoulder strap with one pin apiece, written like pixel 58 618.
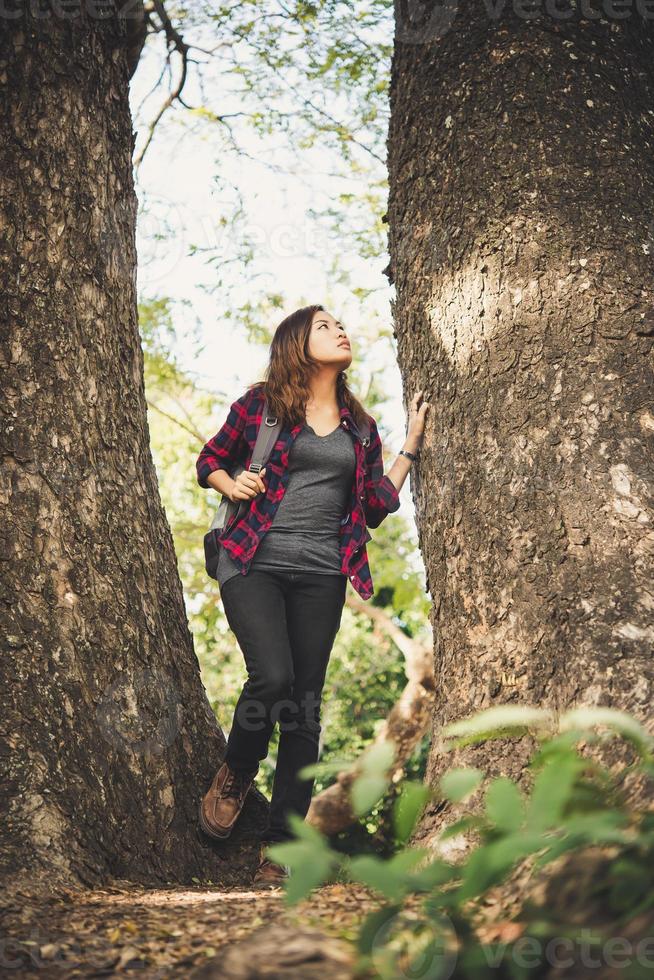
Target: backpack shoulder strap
pixel 266 438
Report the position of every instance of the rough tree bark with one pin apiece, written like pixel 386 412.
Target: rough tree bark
pixel 108 740
pixel 521 202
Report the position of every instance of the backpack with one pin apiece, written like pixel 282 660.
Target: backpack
pixel 232 510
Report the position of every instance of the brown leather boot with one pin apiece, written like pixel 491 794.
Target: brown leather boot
pixel 224 801
pixel 269 873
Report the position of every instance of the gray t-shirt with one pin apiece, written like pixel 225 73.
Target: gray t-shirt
pixel 304 534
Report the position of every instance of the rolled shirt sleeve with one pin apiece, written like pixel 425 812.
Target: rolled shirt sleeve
pixel 223 450
pixel 381 495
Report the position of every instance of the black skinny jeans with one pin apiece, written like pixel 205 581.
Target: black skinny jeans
pixel 285 623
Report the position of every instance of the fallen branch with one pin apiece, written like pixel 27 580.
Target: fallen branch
pixel 408 721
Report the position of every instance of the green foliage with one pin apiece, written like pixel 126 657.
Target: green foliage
pixel 408 807
pixel 372 781
pixel 573 804
pixel 498 722
pixel 310 82
pixel 457 784
pixel 310 862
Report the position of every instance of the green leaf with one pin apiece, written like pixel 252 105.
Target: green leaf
pixel 556 846
pixel 504 804
pixel 457 784
pixel 599 828
pixel 498 721
pixel 377 760
pixel 620 721
pixel 305 831
pixel 365 792
pixel 562 744
pixel 309 857
pixel 380 875
pixel 469 822
pixel 331 768
pixel 405 860
pixel 552 790
pixel 558 749
pixel 596 828
pixel 490 863
pixel 309 868
pixel 372 783
pixel 407 808
pixel 437 872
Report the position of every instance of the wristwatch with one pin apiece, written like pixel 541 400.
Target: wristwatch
pixel 412 456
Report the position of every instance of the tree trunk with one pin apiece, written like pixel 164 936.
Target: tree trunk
pixel 521 202
pixel 108 740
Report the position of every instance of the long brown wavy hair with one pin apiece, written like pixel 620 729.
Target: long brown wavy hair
pixel 289 369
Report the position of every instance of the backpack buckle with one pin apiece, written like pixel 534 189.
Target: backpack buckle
pixel 270 420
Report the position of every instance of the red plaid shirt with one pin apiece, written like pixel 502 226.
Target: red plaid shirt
pixel 373 494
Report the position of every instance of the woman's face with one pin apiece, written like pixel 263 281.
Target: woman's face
pixel 328 341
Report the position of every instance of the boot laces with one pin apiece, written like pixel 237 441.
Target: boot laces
pixel 235 783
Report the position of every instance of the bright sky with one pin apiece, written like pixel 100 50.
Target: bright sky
pixel 186 181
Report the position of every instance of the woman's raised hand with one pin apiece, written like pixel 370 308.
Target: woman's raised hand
pixel 416 426
pixel 248 485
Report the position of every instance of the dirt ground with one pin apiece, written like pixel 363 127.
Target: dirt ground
pixel 164 932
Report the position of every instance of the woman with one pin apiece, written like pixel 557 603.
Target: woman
pixel 284 566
